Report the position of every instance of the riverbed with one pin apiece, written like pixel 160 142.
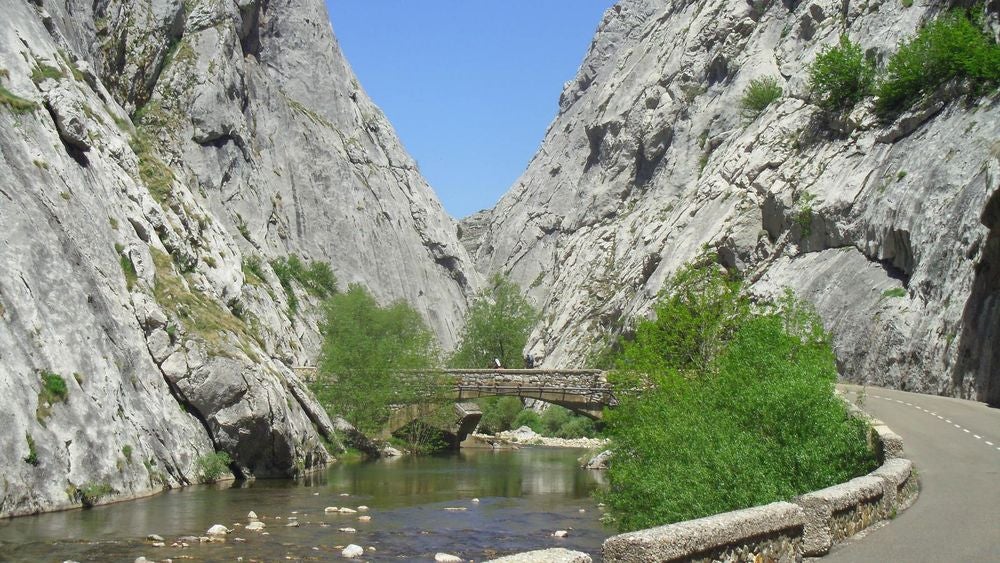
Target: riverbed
pixel 418 506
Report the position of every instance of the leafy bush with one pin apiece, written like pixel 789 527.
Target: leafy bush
pixel 528 418
pixel 92 493
pixel 740 415
pixel 577 427
pixel 53 387
pixel 499 414
pixel 947 48
pixel 32 457
pixel 759 94
pixel 497 326
pixel 365 350
pixel 317 278
pixel 253 270
pixel 128 267
pixel 841 76
pixel 213 466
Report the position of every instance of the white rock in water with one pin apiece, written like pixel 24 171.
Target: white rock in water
pixel 154 537
pixel 159 544
pixel 292 524
pixel 346 510
pixel 560 534
pixel 255 526
pixel 252 515
pixel 347 530
pixel 345 494
pixel 456 508
pixel 362 508
pixel 364 518
pixel 217 530
pixel 331 509
pixel 475 500
pixel 353 551
pixel 447 558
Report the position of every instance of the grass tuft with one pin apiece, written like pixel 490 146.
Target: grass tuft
pixel 761 93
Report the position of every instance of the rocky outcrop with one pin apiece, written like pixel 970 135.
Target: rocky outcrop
pixel 888 227
pixel 157 156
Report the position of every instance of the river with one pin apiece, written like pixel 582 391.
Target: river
pixel 524 496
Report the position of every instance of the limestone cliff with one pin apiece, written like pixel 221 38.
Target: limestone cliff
pixel 155 157
pixel 890 228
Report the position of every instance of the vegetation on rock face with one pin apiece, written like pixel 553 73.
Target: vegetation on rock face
pixel 317 278
pixel 952 46
pixel 725 404
pixel 197 312
pixel 366 348
pixel 841 76
pixel 16 103
pixel 758 95
pixel 496 327
pixel 53 391
pixel 32 457
pixel 157 176
pixel 91 493
pixel 213 466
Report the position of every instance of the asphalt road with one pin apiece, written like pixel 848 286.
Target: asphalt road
pixel 955 445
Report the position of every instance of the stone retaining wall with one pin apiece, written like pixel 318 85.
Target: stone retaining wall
pixel 783 531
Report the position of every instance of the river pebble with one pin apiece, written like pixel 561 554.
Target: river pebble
pixel 362 508
pixel 447 558
pixel 251 515
pixel 364 518
pixel 331 509
pixel 154 537
pixel 560 534
pixel 347 530
pixel 353 551
pixel 255 526
pixel 217 530
pixel 456 508
pixel 346 510
pixel 292 524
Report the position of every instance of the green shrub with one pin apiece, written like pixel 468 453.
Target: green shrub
pixel 32 458
pixel 553 418
pixel 499 414
pixel 365 350
pixel 746 417
pixel 950 47
pixel 42 71
pixel 53 391
pixel 91 493
pixel 759 94
pixel 317 278
pixel 894 292
pixel 253 270
pixel 127 452
pixel 213 466
pixel 529 418
pixel 841 76
pixel 128 267
pixel 577 427
pixel 497 326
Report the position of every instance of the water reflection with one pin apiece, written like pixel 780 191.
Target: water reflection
pixel 524 495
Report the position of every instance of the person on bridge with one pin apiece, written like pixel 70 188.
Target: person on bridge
pixel 497 364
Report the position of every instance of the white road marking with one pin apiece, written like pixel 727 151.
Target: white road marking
pixel 956 426
pixel 989 443
pixel 977 436
pixel 966 430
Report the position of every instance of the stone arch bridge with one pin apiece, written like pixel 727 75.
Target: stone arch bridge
pixel 583 391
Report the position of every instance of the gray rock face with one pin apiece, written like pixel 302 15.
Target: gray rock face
pixel 649 163
pixel 175 149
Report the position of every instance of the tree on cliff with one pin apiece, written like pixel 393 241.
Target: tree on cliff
pixel 496 327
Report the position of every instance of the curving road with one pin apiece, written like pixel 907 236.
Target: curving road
pixel 955 445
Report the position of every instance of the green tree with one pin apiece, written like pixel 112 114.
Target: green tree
pixel 841 76
pixel 496 327
pixel 739 414
pixel 368 358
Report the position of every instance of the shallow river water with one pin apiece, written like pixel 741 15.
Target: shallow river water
pixel 524 496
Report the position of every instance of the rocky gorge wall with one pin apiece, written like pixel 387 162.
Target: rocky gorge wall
pixel 155 157
pixel 888 227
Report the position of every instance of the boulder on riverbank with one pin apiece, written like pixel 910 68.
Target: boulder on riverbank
pixel 557 555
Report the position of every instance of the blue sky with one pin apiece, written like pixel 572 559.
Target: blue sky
pixel 470 85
